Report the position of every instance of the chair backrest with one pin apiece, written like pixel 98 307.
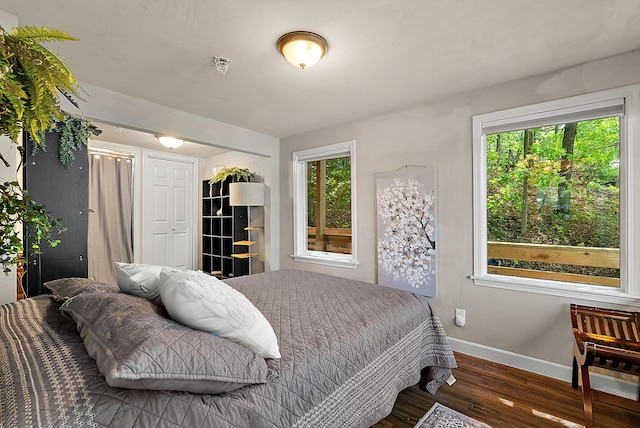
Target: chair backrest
pixel 607 339
pixel 616 324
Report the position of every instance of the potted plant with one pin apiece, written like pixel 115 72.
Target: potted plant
pixel 31 79
pixel 232 171
pixel 226 173
pixel 17 206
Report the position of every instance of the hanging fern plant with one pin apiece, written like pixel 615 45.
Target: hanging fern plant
pixel 31 78
pixel 74 134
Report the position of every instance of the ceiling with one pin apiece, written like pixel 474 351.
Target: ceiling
pixel 383 54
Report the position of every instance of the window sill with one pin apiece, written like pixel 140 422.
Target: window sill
pixel 325 260
pixel 586 292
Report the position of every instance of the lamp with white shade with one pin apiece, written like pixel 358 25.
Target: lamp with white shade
pixel 246 194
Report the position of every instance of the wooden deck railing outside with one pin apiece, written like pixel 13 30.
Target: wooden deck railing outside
pixel 556 254
pixel 339 241
pixel 335 240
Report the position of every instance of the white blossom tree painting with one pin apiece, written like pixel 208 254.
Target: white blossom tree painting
pixel 407 229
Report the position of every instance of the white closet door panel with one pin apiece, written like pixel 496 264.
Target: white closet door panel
pixel 168 212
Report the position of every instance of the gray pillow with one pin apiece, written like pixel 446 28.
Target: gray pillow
pixel 65 288
pixel 137 346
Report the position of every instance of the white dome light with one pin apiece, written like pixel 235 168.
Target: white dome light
pixel 302 48
pixel 170 142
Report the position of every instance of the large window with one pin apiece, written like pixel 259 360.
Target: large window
pixel 324 212
pixel 555 197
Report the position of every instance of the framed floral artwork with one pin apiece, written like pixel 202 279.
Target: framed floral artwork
pixel 406 208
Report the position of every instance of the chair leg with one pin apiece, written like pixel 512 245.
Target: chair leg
pixel 574 374
pixel 587 398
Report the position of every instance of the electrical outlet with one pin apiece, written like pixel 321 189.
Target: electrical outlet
pixel 460 317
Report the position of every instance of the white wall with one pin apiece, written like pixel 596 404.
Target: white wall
pixel 439 133
pixel 256 164
pixel 8 20
pixel 9 152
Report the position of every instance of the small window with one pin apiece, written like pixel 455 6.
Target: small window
pixel 552 192
pixel 324 213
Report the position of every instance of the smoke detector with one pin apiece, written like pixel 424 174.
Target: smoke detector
pixel 222 63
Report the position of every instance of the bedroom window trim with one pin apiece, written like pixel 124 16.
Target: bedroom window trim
pixel 626 102
pixel 301 253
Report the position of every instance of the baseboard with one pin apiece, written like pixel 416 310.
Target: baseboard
pixel 601 382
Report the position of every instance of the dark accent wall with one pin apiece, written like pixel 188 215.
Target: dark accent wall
pixel 64 192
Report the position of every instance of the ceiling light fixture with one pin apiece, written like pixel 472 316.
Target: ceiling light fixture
pixel 302 48
pixel 170 142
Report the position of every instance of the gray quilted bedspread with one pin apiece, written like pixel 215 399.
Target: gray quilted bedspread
pixel 347 349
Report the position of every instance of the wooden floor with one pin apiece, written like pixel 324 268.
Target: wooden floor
pixel 502 396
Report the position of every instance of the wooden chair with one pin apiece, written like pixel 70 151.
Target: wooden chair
pixel 607 339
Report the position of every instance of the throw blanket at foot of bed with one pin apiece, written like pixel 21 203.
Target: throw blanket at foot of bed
pixel 347 348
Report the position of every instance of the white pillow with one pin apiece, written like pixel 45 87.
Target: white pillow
pixel 138 279
pixel 205 303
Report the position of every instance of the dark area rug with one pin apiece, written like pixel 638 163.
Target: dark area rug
pixel 440 416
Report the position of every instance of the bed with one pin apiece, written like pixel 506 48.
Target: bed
pixel 347 349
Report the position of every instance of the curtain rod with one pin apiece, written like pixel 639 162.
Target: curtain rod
pixel 107 152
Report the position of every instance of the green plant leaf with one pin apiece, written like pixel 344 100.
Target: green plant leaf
pixel 234 171
pixel 31 78
pixel 17 206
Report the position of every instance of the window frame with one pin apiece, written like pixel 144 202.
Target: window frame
pixel 301 253
pixel 511 119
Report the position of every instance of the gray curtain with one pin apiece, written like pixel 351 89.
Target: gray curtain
pixel 110 215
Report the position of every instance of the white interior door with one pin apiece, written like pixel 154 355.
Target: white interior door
pixel 168 208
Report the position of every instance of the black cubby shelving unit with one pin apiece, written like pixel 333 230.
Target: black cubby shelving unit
pixel 226 248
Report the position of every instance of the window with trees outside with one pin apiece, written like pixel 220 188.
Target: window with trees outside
pixel 555 205
pixel 324 212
